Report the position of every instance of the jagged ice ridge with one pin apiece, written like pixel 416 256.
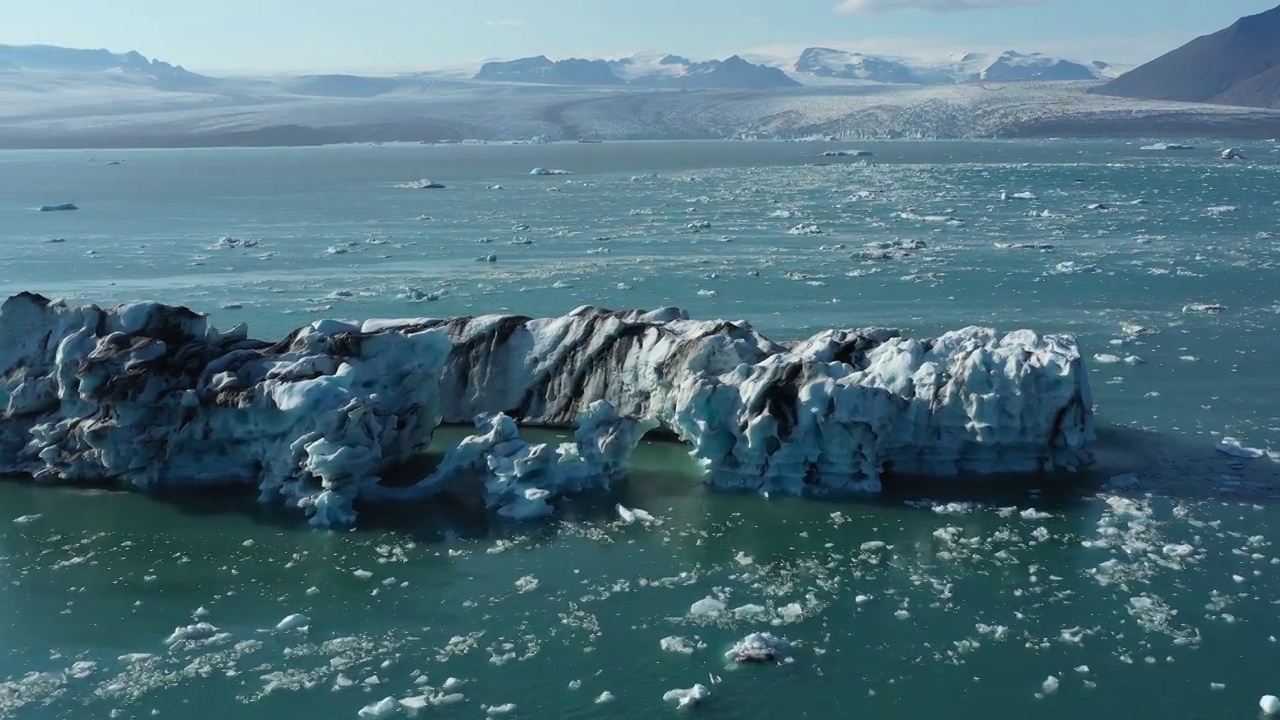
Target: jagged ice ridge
pixel 150 395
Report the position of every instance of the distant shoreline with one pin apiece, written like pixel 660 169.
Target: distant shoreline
pixel 271 138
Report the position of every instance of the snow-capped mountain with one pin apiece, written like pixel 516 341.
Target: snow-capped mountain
pixel 1009 66
pixel 680 72
pixel 828 63
pixel 646 69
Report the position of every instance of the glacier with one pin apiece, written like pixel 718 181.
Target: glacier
pixel 149 395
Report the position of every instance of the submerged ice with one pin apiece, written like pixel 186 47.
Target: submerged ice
pixel 150 395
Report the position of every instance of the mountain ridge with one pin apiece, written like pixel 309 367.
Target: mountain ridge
pixel 1238 65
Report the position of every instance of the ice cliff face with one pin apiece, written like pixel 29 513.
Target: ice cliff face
pixel 149 395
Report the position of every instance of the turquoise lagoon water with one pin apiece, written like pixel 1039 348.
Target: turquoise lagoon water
pixel 1152 596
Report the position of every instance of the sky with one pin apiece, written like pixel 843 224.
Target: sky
pixel 405 35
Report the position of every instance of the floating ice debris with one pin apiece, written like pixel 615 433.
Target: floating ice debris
pixel 1162 147
pixel 1207 308
pixel 1270 705
pixel 575 684
pixel 908 215
pixel 707 607
pixel 233 243
pixel 198 631
pixel 1097 206
pixel 890 250
pixel 25 519
pixel 497 710
pixel 548 171
pixel 805 229
pixel 416 295
pixel 1024 195
pixel 847 153
pixel 423 184
pixel 451 684
pixel 386 707
pixel 1221 209
pixel 1070 267
pixel 690 696
pixel 293 622
pixel 1233 447
pixel 605 697
pixel 135 658
pixel 1050 685
pixel 872 545
pixel 362 574
pixel 785 214
pixel 698 225
pixel 60 207
pixel 676 644
pixel 1043 247
pixel 756 647
pixel 1232 154
pixel 527 584
pixel 707 293
pixel 627 516
pixel 1106 359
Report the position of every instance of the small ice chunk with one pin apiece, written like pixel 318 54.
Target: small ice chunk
pixel 575 684
pixel 676 644
pixel 1270 705
pixel 496 710
pixel 527 584
pixel 872 545
pixel 690 696
pixel 1050 685
pixel 198 631
pixel 451 684
pixel 27 519
pixel 1233 447
pixel 415 703
pixel 293 622
pixel 605 697
pixel 756 647
pixel 707 607
pixel 625 514
pixel 386 707
pixel 363 574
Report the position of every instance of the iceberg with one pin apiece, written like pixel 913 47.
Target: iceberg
pixel 148 395
pixel 423 184
pixel 548 171
pixel 60 207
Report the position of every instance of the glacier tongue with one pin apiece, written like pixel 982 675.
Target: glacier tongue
pixel 149 395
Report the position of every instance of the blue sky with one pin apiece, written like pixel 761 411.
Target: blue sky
pixel 331 35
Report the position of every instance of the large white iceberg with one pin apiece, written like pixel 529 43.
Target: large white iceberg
pixel 829 414
pixel 149 395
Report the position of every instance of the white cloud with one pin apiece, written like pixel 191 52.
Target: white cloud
pixel 885 6
pixel 504 23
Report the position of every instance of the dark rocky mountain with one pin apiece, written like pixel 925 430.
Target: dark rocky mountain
pixel 1235 66
pixel 540 69
pixel 131 66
